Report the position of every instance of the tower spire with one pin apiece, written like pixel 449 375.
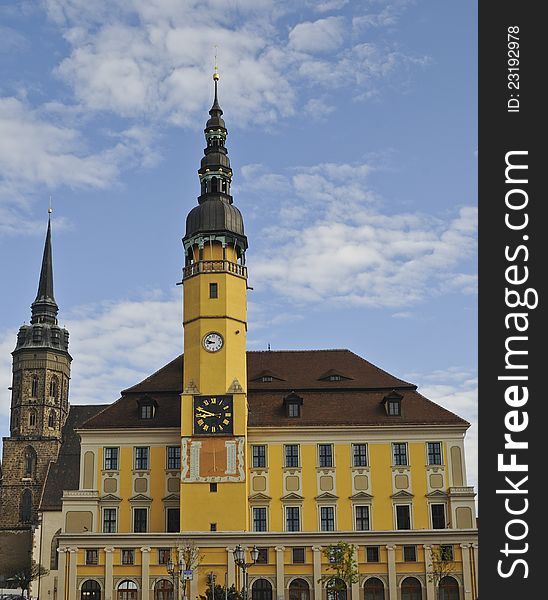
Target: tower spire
pixel 44 308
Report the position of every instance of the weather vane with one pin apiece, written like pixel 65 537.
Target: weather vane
pixel 215 68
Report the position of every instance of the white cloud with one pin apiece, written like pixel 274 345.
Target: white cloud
pixel 39 154
pixel 334 244
pixel 323 35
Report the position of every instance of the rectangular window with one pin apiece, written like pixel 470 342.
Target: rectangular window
pixel 128 556
pixel 362 518
pixel 394 408
pixel 111 459
pixel 292 455
pixel 438 516
pixel 293 409
pixel 410 554
pixel 141 459
pixel 140 520
pixel 213 527
pixel 92 556
pixel 372 554
pixel 109 520
pixel 446 553
pixel 359 455
pixel 164 554
pixel 259 457
pixel 146 411
pixel 262 558
pixel 213 487
pixel 172 517
pixel 403 516
pixel 298 556
pixel 327 518
pixel 213 290
pixel 259 519
pixel 174 457
pixel 434 453
pixel 325 455
pixel 400 453
pixel 292 518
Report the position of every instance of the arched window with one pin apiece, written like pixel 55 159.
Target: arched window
pixel 15 419
pixel 34 386
pixel 32 418
pixel 30 461
pixel 411 589
pixel 52 418
pixel 373 589
pixel 127 590
pixel 261 590
pixel 54 387
pixel 163 590
pixel 91 590
pixel 336 590
pixel 54 554
pixel 449 588
pixel 299 590
pixel 214 184
pixel 25 509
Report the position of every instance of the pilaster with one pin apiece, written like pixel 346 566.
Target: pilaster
pixel 109 550
pixel 466 573
pixel 392 584
pixel 430 588
pixel 280 587
pixel 317 552
pixel 145 572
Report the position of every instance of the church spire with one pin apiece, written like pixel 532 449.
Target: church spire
pixel 44 308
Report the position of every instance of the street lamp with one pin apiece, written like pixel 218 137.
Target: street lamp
pixel 175 570
pixel 239 560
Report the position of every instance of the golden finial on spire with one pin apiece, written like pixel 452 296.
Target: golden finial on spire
pixel 216 75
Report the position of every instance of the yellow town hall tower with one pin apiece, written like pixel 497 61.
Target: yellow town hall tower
pixel 276 455
pixel 214 401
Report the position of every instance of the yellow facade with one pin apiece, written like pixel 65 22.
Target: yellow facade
pixel 118 526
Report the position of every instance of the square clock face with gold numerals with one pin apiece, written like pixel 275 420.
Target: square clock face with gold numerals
pixel 213 415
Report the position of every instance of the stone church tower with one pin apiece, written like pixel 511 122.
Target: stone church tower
pixel 39 404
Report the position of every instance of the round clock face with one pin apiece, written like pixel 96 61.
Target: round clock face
pixel 213 415
pixel 213 341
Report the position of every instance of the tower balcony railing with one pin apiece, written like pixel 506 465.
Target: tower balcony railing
pixel 214 266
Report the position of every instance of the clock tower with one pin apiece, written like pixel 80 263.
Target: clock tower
pixel 214 401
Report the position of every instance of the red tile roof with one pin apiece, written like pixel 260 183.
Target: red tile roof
pixel 353 401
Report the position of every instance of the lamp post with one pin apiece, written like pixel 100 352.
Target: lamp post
pixel 175 570
pixel 239 560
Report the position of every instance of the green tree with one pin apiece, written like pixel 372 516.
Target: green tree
pixel 26 576
pixel 189 557
pixel 442 565
pixel 342 566
pixel 221 593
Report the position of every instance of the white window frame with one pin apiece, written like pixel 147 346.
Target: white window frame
pixel 440 464
pixel 352 455
pixel 133 509
pixel 332 466
pixel 431 517
pixel 408 504
pixel 369 511
pixel 407 462
pixel 334 507
pixel 115 509
pixel 299 509
pixel 253 517
pixel 298 456
pixel 105 458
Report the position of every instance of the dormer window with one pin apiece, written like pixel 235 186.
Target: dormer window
pixel 335 378
pixel 266 378
pixel 392 404
pixel 292 404
pixel 147 408
pixel 333 375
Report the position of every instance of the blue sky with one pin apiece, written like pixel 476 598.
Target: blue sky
pixel 352 136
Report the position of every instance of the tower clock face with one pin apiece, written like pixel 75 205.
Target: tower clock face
pixel 213 415
pixel 213 341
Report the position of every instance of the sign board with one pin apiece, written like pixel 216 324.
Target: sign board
pixel 187 574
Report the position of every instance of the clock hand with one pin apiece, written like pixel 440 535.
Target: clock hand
pixel 204 413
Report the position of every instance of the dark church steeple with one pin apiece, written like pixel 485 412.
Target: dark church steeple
pixel 39 402
pixel 215 214
pixel 44 308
